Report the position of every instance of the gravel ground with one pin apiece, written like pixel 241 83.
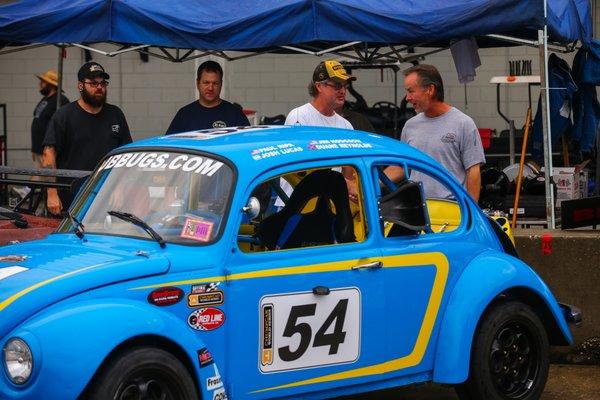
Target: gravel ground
pixel 565 382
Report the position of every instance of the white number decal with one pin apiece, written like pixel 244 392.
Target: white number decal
pixel 301 330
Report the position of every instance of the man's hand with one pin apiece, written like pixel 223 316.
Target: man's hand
pixel 350 177
pixel 53 202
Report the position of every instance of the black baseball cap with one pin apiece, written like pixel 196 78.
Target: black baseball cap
pixel 91 70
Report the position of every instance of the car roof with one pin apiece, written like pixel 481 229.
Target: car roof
pixel 264 147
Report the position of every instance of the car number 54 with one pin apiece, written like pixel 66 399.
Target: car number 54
pixel 302 330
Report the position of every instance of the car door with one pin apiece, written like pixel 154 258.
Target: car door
pixel 307 318
pixel 420 266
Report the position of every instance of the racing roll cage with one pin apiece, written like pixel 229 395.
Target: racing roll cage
pixel 361 55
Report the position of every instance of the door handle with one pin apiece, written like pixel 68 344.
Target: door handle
pixel 321 290
pixel 371 265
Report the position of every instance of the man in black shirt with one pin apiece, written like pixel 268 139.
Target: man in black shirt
pixel 210 111
pixel 82 132
pixel 43 112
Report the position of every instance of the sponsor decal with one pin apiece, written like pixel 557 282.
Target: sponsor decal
pixel 220 394
pixel 205 299
pixel 206 319
pixel 163 161
pixel 449 137
pixel 197 229
pixel 12 270
pixel 205 287
pixel 214 382
pixel 267 335
pixel 204 357
pixel 219 124
pixel 338 144
pixel 165 296
pixel 13 258
pixel 274 151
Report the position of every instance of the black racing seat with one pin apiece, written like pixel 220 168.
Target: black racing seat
pixel 289 228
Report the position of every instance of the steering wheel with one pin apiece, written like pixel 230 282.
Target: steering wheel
pixel 384 104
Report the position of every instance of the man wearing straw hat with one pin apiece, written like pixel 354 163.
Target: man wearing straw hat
pixel 43 112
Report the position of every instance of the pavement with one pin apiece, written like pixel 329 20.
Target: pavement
pixel 565 382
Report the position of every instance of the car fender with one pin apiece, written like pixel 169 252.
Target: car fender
pixel 487 276
pixel 60 337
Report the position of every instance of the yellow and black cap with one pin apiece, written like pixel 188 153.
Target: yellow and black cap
pixel 331 69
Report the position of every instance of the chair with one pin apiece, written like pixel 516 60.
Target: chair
pixel 290 228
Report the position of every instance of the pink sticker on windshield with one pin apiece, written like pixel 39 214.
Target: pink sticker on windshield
pixel 197 229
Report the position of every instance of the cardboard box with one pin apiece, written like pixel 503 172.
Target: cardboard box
pixel 569 184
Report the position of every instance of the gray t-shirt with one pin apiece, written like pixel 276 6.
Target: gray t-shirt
pixel 452 139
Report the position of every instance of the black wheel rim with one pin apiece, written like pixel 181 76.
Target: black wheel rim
pixel 515 359
pixel 150 384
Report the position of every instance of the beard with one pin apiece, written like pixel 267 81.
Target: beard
pixel 93 100
pixel 45 91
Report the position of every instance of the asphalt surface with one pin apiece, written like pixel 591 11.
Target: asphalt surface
pixel 565 382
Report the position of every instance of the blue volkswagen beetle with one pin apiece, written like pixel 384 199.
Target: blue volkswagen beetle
pixel 233 264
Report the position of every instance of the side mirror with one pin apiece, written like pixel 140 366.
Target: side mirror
pixel 406 208
pixel 252 208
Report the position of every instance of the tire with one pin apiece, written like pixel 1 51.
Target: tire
pixel 143 373
pixel 509 356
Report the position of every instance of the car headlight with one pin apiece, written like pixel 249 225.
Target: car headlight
pixel 18 360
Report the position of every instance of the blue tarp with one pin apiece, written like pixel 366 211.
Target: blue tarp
pixel 255 24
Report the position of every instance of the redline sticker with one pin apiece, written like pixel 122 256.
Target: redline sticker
pixel 165 296
pixel 197 229
pixel 206 319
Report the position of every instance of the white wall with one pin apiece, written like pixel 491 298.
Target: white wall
pixel 150 93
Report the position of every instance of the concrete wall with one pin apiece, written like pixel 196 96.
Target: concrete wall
pixel 150 93
pixel 572 271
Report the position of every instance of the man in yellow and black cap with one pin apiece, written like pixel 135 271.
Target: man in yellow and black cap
pixel 42 113
pixel 328 91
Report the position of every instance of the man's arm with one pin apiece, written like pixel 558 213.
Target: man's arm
pixel 53 202
pixel 473 178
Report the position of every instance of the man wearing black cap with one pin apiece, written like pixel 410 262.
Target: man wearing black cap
pixel 328 90
pixel 82 132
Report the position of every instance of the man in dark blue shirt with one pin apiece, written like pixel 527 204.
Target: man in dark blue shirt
pixel 209 111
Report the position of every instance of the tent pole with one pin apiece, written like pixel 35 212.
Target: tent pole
pixel 60 75
pixel 546 126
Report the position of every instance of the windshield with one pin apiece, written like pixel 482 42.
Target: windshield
pixel 183 197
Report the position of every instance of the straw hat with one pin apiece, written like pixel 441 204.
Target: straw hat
pixel 50 76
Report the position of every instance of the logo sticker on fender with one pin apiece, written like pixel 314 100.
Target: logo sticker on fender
pixel 206 319
pixel 205 299
pixel 165 296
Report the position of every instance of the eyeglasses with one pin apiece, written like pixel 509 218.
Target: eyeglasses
pixel 335 85
pixel 96 85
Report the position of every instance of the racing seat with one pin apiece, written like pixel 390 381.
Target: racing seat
pixel 291 228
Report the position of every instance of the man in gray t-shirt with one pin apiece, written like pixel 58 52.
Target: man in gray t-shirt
pixel 442 131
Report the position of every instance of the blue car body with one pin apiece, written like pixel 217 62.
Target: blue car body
pixel 79 301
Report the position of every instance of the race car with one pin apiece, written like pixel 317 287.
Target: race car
pixel 187 270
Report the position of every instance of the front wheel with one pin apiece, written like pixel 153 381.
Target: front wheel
pixel 143 373
pixel 509 357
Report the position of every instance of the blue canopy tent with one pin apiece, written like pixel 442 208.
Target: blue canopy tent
pixel 253 25
pixel 364 30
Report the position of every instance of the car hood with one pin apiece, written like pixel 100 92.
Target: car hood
pixel 34 275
